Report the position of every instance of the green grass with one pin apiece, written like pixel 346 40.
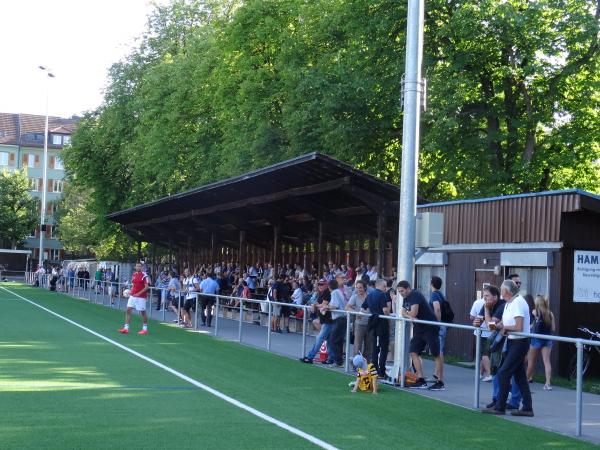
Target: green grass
pixel 61 387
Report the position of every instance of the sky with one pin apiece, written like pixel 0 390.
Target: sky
pixel 77 39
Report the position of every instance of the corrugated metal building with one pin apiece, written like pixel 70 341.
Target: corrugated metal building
pixel 534 235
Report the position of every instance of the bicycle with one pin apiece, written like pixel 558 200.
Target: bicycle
pixel 587 353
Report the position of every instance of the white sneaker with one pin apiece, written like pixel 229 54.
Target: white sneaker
pixel 487 379
pixel 547 387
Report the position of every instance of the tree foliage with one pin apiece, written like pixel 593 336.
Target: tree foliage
pixel 217 88
pixel 18 210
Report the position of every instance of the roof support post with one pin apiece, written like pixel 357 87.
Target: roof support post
pixel 276 246
pixel 242 251
pixel 381 245
pixel 320 249
pixel 139 250
pixel 212 248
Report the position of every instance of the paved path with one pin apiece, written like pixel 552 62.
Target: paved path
pixel 554 410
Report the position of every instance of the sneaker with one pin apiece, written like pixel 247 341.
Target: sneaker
pixel 522 413
pixel 487 379
pixel 352 384
pixel 306 360
pixel 547 387
pixel 490 405
pixel 327 362
pixel 493 411
pixel 124 330
pixel 437 386
pixel 143 332
pixel 175 321
pixel 419 384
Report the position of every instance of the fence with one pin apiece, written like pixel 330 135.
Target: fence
pixel 100 291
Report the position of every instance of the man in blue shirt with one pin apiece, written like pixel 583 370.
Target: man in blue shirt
pixel 208 286
pixel 417 307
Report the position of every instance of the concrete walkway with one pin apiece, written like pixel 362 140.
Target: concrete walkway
pixel 554 410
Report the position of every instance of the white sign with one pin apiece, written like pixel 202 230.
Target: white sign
pixel 586 277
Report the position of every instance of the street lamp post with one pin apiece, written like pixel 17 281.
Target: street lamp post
pixel 44 171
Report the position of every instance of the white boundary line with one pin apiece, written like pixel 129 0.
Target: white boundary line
pixel 196 383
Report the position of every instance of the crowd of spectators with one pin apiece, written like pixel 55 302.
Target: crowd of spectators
pixel 332 290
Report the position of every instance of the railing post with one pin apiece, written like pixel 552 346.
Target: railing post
pixel 164 307
pixel 304 325
pixel 196 315
pixel 269 326
pixel 151 294
pixel 241 314
pixel 217 304
pixel 477 367
pixel 579 395
pixel 178 306
pixel 347 361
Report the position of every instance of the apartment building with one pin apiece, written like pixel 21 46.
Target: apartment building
pixel 22 146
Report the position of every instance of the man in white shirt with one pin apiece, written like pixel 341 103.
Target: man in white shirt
pixel 485 333
pixel 514 319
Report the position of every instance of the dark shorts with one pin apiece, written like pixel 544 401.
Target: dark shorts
pixel 427 337
pixel 189 304
pixel 206 301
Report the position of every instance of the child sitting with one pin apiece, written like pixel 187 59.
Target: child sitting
pixel 366 375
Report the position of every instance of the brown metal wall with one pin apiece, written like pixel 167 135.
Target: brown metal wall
pixel 526 219
pixel 461 293
pixel 580 231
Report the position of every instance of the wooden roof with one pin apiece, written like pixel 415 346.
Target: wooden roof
pixel 295 194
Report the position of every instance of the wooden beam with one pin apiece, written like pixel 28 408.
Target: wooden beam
pixel 258 200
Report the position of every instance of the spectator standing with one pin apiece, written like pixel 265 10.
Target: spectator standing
pixel 336 337
pixel 544 324
pixel 377 303
pixel 191 285
pixel 325 321
pixel 208 286
pixel 416 307
pixel 485 373
pixel 362 343
pixel 436 302
pixel 515 318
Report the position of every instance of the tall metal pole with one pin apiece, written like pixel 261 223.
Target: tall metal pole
pixel 44 171
pixel 412 94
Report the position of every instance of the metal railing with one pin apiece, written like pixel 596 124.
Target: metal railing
pixel 80 287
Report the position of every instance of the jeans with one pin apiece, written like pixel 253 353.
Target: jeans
pixel 323 334
pixel 515 393
pixel 514 365
pixel 336 340
pixel 443 331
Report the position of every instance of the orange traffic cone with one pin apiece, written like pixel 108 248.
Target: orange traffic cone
pixel 323 352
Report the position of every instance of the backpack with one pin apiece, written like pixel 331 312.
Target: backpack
pixel 447 313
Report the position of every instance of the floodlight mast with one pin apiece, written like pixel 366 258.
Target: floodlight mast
pixel 44 170
pixel 412 94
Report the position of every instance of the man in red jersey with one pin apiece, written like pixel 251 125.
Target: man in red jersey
pixel 139 286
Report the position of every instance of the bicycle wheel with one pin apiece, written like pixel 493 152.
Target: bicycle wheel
pixel 573 365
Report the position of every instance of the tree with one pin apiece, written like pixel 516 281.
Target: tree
pixel 18 210
pixel 217 88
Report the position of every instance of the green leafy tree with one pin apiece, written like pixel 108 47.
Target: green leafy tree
pixel 18 210
pixel 217 88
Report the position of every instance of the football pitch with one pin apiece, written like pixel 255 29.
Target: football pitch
pixel 69 380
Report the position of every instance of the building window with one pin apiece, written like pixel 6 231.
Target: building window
pixel 53 232
pixel 57 186
pixel 34 184
pixel 56 139
pixel 3 158
pixel 534 280
pixel 36 137
pixel 54 254
pixel 33 232
pixel 31 160
pixel 66 140
pixel 58 164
